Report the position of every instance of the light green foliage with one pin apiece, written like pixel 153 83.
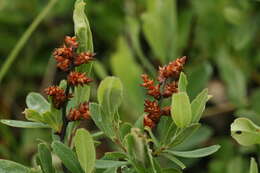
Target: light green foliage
pixel 67 156
pixel 182 85
pixel 202 152
pixel 110 94
pixel 7 166
pixel 85 150
pixel 24 124
pixel 181 109
pixel 245 132
pixel 160 28
pixel 253 166
pixel 45 158
pixel 125 67
pixel 198 105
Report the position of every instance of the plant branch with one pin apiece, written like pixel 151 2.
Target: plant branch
pixel 12 56
pixel 64 116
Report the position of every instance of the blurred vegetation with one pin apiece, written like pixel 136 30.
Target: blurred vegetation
pixel 220 38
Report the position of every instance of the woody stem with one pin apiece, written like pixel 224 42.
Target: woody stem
pixel 64 117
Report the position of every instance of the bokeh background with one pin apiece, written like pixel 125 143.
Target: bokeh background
pixel 220 38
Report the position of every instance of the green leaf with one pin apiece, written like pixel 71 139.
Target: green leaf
pixel 81 27
pixel 160 28
pixel 245 132
pixel 24 124
pixel 181 109
pixel 37 102
pixel 183 82
pixel 253 166
pixel 125 128
pixel 52 120
pixel 200 72
pixel 110 94
pixel 100 119
pixel 122 61
pixel 184 134
pixel 202 152
pixel 102 164
pixel 45 158
pixel 67 156
pixel 33 115
pixel 198 105
pixel 111 170
pixel 233 77
pixel 7 166
pixel 83 33
pixel 114 156
pixel 174 159
pixel 85 150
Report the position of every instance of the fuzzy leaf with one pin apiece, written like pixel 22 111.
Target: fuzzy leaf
pixel 7 166
pixel 253 166
pixel 181 109
pixel 102 164
pixel 24 124
pixel 37 102
pixel 198 105
pixel 110 93
pixel 175 160
pixel 85 150
pixel 45 158
pixel 202 152
pixel 160 28
pixel 67 156
pixel 183 82
pixel 245 132
pixel 184 134
pixel 33 115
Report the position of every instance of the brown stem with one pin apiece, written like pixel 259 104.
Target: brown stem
pixel 64 116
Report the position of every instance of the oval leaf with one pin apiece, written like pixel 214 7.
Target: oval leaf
pixel 67 156
pixel 24 124
pixel 253 166
pixel 85 150
pixel 181 109
pixel 37 102
pixel 102 164
pixel 198 105
pixel 7 166
pixel 183 82
pixel 202 152
pixel 245 132
pixel 110 93
pixel 45 158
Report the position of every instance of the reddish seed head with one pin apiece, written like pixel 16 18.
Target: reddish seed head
pixel 153 109
pixel 152 90
pixel 84 58
pixel 170 88
pixel 149 122
pixel 71 42
pixel 81 113
pixel 58 95
pixel 77 78
pixel 173 69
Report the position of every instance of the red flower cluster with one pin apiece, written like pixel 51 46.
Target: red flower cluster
pixel 77 78
pixel 58 95
pixel 167 85
pixel 66 56
pixel 172 70
pixel 81 113
pixel 67 59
